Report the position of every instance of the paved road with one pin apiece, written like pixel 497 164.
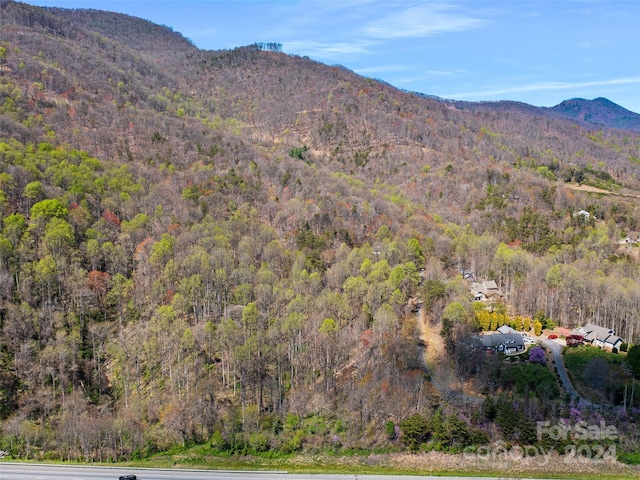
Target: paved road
pixel 556 352
pixel 12 471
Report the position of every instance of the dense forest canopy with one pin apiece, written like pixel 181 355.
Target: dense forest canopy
pixel 229 246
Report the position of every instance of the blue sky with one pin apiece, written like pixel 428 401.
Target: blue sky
pixel 538 52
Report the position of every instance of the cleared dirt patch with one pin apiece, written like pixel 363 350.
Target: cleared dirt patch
pixel 587 188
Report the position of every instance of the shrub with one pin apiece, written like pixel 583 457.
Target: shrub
pixel 478 437
pixel 298 152
pixel 575 340
pixel 537 328
pixel 415 431
pixel 530 379
pixel 390 428
pixel 630 458
pixel 291 421
pixel 294 444
pixel 218 442
pixel 547 323
pixel 258 442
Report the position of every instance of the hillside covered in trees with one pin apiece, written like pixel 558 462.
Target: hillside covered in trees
pixel 226 247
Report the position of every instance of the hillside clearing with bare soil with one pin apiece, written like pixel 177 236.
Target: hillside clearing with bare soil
pixel 588 188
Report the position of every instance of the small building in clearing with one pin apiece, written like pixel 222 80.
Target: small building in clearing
pixel 486 291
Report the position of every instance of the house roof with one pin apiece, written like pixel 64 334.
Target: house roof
pixel 507 339
pixel 490 285
pixel 488 288
pixel 592 332
pixel 506 329
pixel 613 339
pixel 591 336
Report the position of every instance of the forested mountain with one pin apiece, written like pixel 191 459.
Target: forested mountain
pixel 597 113
pixel 226 246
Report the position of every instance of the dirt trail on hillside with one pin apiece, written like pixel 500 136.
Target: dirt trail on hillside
pixel 590 189
pixel 442 374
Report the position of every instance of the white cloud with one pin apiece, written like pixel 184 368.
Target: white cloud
pixel 546 86
pixel 327 50
pixel 429 75
pixel 421 21
pixel 382 69
pixel 443 73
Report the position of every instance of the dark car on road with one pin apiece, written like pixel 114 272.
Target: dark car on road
pixel 127 477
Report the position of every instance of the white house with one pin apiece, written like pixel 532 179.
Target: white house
pixel 599 336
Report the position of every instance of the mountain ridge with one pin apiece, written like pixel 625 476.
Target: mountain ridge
pixel 599 112
pixel 227 249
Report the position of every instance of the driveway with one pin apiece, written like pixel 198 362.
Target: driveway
pixel 556 352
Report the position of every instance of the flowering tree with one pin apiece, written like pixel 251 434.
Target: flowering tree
pixel 537 355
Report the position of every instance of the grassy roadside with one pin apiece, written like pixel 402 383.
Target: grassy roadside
pixel 398 464
pixel 432 463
